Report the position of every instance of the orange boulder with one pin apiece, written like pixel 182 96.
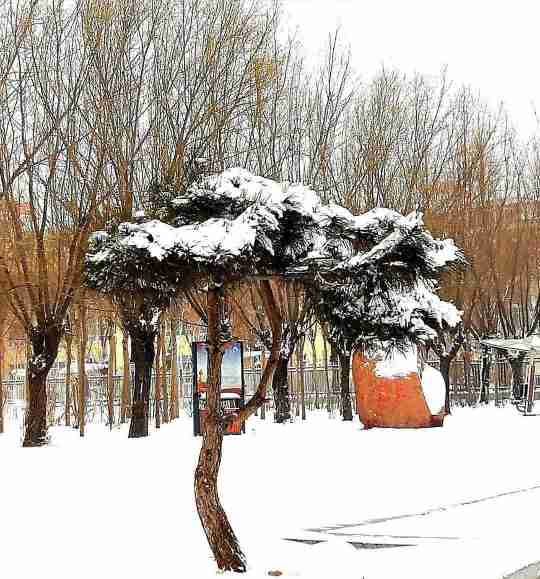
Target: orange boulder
pixel 390 401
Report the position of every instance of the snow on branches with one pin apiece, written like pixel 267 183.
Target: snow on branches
pixel 235 225
pixel 383 318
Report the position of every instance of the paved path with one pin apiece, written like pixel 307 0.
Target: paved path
pixel 425 528
pixel 424 513
pixel 532 571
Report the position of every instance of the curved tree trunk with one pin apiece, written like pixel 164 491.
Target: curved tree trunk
pixel 142 355
pixel 217 528
pixel 280 387
pixel 44 351
pixel 345 366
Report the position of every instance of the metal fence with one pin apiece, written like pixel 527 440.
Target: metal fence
pixel 97 397
pixel 321 390
pixel 465 381
pixel 320 385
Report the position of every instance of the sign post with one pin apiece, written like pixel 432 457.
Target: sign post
pixel 232 384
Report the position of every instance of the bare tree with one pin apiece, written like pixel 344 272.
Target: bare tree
pixel 293 309
pixel 51 206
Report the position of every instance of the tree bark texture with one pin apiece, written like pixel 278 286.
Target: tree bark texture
pixel 345 370
pixel 486 371
pixel 83 381
pixel 263 364
pixel 314 367
pixel 444 366
pixel 518 378
pixel 142 355
pixel 445 360
pixel 301 367
pixel 2 394
pixel 125 377
pixel 110 374
pixel 26 374
pixel 67 408
pixel 44 349
pixel 164 389
pixel 157 381
pixel 280 387
pixel 175 395
pixel 326 374
pixel 217 528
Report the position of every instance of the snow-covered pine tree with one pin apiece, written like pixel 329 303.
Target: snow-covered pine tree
pixel 384 320
pixel 237 226
pixel 141 295
pixel 393 305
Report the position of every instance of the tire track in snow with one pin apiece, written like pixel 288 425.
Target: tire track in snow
pixel 427 512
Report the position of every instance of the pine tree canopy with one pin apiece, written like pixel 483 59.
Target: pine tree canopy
pixel 236 225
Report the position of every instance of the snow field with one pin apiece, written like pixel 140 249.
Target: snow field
pixel 105 506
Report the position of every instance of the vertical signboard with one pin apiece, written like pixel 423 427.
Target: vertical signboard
pixel 232 383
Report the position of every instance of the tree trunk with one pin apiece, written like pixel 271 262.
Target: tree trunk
pixel 157 381
pixel 125 377
pixel 302 369
pixel 518 379
pixel 83 385
pixel 175 395
pixel 334 360
pixel 486 371
pixel 263 364
pixel 164 389
pixel 44 345
pixel 444 364
pixel 345 367
pixel 280 387
pixel 110 373
pixel 445 360
pixel 36 413
pixel 142 354
pixel 217 528
pixel 314 369
pixel 295 394
pixel 2 395
pixel 26 374
pixel 69 342
pixel 326 375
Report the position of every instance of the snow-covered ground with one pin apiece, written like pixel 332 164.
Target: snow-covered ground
pixel 108 507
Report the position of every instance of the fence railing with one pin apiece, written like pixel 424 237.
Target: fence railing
pixel 465 381
pixel 321 390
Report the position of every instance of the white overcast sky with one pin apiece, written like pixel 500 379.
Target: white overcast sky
pixel 490 45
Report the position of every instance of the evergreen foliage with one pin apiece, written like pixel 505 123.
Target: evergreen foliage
pixel 372 277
